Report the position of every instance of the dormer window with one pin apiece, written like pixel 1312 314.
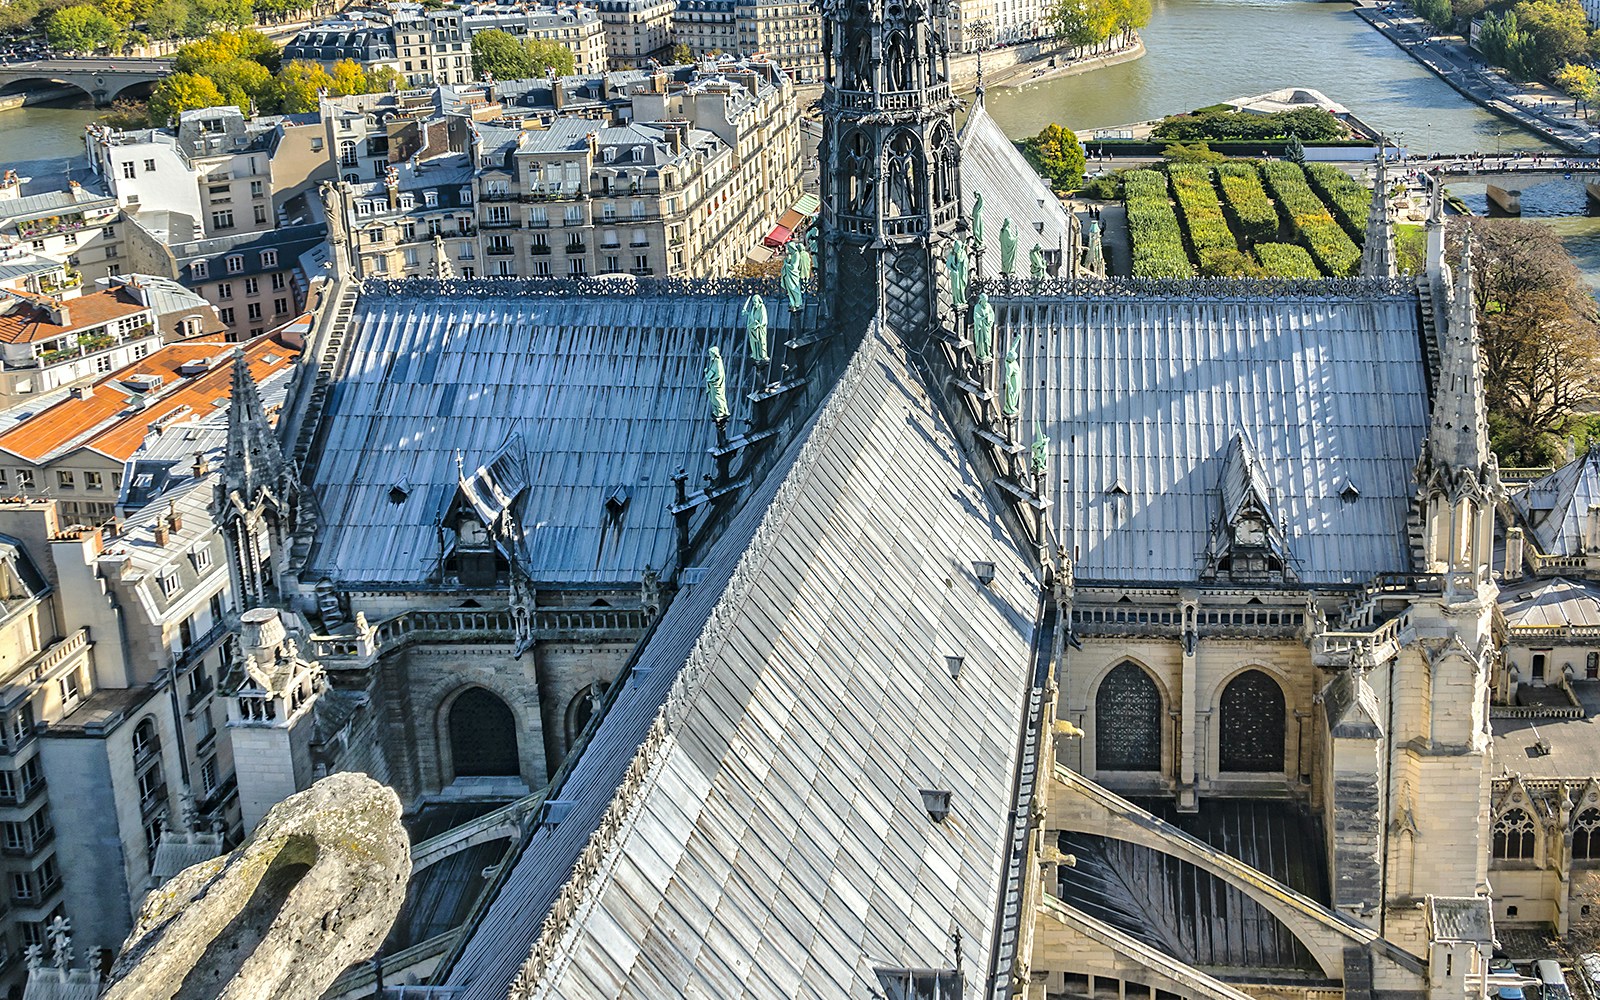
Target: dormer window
pixel 200 269
pixel 235 263
pixel 269 258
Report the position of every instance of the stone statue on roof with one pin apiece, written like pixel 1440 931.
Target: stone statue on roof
pixel 793 283
pixel 956 261
pixel 1011 403
pixel 755 328
pixel 977 219
pixel 1008 248
pixel 1036 262
pixel 983 329
pixel 716 385
pixel 803 253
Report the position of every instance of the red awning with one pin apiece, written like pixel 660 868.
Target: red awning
pixel 779 236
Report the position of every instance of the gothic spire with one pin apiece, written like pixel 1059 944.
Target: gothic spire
pixel 1458 436
pixel 254 458
pixel 1377 253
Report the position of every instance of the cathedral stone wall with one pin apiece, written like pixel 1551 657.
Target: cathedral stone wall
pixel 421 683
pixel 1217 662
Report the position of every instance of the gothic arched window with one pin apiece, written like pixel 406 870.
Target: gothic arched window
pixel 1586 836
pixel 1513 836
pixel 1127 721
pixel 1252 735
pixel 483 735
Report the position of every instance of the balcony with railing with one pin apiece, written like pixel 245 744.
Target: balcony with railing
pixel 197 647
pixel 30 845
pixel 200 694
pixel 49 225
pixel 153 800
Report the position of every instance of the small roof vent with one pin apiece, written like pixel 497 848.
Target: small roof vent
pixel 954 664
pixel 984 571
pixel 398 493
pixel 936 801
pixel 1349 494
pixel 617 500
pixel 1117 489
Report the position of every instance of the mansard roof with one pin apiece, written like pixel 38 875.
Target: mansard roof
pixel 1148 390
pixel 601 391
pixel 771 837
pixel 992 166
pixel 1555 506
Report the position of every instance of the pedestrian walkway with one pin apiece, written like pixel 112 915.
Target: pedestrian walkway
pixel 1533 106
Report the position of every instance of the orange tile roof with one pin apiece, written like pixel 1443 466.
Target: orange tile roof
pixel 28 323
pixel 102 420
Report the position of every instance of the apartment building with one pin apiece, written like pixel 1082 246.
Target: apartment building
pixel 212 166
pixel 695 179
pixel 352 37
pixel 636 31
pixel 73 227
pixel 576 27
pixel 434 48
pixel 418 217
pixel 50 343
pixel 787 32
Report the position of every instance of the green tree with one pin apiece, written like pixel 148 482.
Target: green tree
pixel 1581 83
pixel 1557 33
pixel 182 92
pixel 1295 150
pixel 167 19
pixel 384 79
pixel 206 16
pixel 546 55
pixel 501 55
pixel 348 78
pixel 244 83
pixel 1130 15
pixel 1195 152
pixel 1056 153
pixel 298 84
pixel 1439 13
pixel 80 28
pixel 682 54
pixel 1083 23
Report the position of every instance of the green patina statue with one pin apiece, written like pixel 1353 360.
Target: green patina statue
pixel 977 220
pixel 792 281
pixel 983 329
pixel 1008 248
pixel 956 261
pixel 716 385
pixel 1011 403
pixel 755 328
pixel 1036 262
pixel 1040 457
pixel 803 256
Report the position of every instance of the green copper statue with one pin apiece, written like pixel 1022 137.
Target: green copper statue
pixel 1040 458
pixel 1011 403
pixel 755 328
pixel 793 283
pixel 1008 248
pixel 1036 262
pixel 983 329
pixel 716 391
pixel 977 219
pixel 956 261
pixel 803 255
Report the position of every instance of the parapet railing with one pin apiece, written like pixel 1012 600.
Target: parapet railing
pixel 560 288
pixel 1017 286
pixel 412 626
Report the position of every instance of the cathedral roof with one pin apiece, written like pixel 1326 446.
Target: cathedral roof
pixel 1551 601
pixel 772 836
pixel 601 398
pixel 1555 506
pixel 991 165
pixel 1142 395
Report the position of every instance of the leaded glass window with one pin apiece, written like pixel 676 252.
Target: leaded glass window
pixel 1513 836
pixel 1127 721
pixel 1586 836
pixel 1252 734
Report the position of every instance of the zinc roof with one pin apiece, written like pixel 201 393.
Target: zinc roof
pixel 992 166
pixel 1142 396
pixel 779 845
pixel 1556 506
pixel 589 393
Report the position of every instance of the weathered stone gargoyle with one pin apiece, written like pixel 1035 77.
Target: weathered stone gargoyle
pixel 311 892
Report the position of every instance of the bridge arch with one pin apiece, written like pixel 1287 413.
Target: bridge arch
pixel 28 84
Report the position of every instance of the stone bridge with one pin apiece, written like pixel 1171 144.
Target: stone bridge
pixel 102 79
pixel 1078 805
pixel 1506 183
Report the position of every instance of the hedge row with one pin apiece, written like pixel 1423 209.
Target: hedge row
pixel 1314 225
pixel 1199 209
pixel 1351 201
pixel 1153 228
pixel 1254 215
pixel 1286 260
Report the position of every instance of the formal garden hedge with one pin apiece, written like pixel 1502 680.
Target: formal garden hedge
pixel 1286 260
pixel 1158 250
pixel 1349 199
pixel 1246 201
pixel 1314 225
pixel 1199 209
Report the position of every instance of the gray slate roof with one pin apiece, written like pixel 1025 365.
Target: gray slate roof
pixel 777 844
pixel 991 165
pixel 1555 506
pixel 1147 393
pixel 1551 601
pixel 594 393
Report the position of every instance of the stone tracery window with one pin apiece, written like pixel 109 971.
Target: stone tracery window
pixel 1127 721
pixel 1514 836
pixel 1586 835
pixel 1253 724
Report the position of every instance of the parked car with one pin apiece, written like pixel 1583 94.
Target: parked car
pixel 1552 984
pixel 1510 993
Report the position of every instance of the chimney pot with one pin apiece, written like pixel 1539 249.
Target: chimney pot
pixel 174 519
pixel 162 534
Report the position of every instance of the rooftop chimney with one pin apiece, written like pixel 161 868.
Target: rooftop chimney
pixel 60 314
pixel 174 519
pixel 162 534
pixel 201 466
